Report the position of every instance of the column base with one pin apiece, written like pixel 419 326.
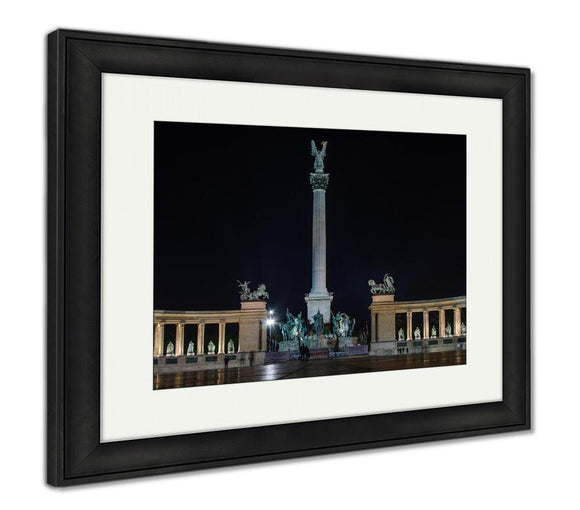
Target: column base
pixel 318 303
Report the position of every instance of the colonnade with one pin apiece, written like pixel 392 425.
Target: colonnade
pixel 180 350
pixel 384 310
pixel 427 326
pixel 251 318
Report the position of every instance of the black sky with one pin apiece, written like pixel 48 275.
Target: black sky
pixel 234 203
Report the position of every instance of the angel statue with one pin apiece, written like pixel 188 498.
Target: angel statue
pixel 319 156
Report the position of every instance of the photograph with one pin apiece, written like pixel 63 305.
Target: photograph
pixel 302 253
pixel 286 252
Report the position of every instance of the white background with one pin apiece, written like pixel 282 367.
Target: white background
pixel 523 470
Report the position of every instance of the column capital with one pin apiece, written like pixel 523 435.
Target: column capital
pixel 319 181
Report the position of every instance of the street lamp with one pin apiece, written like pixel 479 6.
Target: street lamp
pixel 270 322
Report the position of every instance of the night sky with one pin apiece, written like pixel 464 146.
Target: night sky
pixel 234 203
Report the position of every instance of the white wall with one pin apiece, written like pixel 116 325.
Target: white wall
pixel 500 471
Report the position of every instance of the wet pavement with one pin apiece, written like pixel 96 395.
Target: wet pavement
pixel 311 368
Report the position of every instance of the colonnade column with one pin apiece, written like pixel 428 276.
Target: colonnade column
pixel 200 337
pixel 441 323
pixel 159 339
pixel 222 338
pixel 409 324
pixel 179 333
pixel 457 320
pixel 425 324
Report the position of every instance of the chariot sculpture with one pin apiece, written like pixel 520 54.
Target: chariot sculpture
pixel 387 287
pixel 246 294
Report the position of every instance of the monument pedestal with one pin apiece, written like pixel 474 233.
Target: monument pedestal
pixel 318 303
pixel 382 317
pixel 253 329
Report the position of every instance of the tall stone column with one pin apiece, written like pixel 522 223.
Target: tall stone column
pixel 425 324
pixel 409 325
pixel 179 332
pixel 319 299
pixel 200 337
pixel 441 323
pixel 159 339
pixel 457 320
pixel 222 338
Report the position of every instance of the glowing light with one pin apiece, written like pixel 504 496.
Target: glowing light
pixel 270 322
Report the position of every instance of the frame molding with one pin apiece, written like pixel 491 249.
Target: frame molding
pixel 74 65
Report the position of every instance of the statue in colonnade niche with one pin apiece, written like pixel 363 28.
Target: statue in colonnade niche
pixel 417 333
pixel 231 347
pixel 170 349
pixel 211 347
pixel 401 334
pixel 190 349
pixel 433 332
pixel 448 329
pixel 463 328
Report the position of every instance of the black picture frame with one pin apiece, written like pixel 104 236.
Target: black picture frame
pixel 75 62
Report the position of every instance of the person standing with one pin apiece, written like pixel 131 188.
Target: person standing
pixel 226 361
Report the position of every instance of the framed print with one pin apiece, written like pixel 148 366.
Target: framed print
pixel 259 253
